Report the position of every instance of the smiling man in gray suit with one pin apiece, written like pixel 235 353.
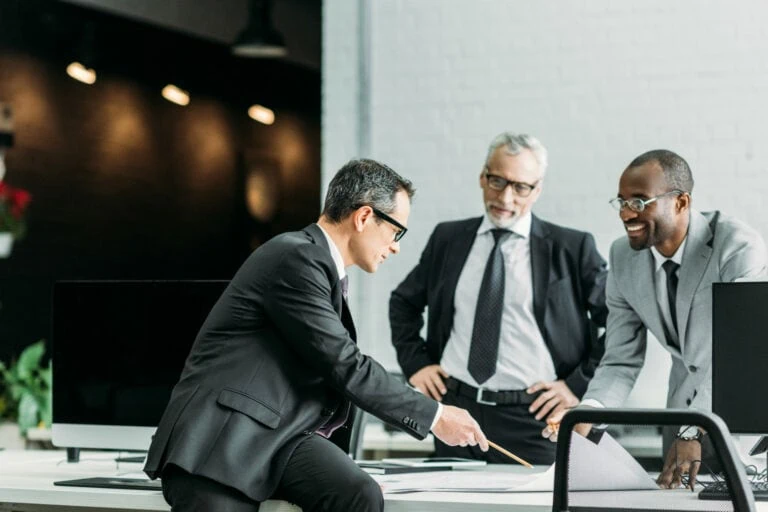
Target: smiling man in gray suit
pixel 660 280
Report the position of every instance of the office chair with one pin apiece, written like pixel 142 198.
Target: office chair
pixel 735 477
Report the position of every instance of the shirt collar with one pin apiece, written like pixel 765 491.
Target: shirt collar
pixel 335 254
pixel 659 258
pixel 521 228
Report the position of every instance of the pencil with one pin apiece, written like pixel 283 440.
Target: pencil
pixel 509 454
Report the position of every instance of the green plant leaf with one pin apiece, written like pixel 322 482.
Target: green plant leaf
pixel 29 360
pixel 28 413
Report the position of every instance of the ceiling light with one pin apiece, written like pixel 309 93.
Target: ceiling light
pixel 259 38
pixel 81 73
pixel 261 114
pixel 176 95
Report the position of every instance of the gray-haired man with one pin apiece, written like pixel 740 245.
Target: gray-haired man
pixel 512 300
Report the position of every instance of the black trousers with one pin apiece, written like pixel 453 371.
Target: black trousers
pixel 318 477
pixel 510 426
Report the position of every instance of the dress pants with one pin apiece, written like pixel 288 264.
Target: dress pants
pixel 319 477
pixel 510 426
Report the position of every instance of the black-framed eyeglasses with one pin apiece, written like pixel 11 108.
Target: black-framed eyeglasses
pixel 521 188
pixel 637 204
pixel 383 216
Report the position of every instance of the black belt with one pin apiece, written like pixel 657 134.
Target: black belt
pixel 488 397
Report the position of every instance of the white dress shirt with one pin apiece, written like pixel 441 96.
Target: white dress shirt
pixel 523 357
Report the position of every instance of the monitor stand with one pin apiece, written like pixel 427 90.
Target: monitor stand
pixel 73 455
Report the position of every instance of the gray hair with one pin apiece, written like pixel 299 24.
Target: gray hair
pixel 363 182
pixel 515 143
pixel 677 172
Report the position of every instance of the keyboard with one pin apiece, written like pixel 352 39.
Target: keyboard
pixel 719 491
pixel 114 483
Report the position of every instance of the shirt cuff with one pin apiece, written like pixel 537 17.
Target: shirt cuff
pixel 437 415
pixel 591 402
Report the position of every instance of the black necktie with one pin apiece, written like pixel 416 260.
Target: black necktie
pixel 670 267
pixel 484 350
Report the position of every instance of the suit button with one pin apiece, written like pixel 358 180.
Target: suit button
pixel 693 369
pixel 688 402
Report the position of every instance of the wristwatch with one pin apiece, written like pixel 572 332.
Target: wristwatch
pixel 689 433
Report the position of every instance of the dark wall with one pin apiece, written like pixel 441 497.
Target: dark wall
pixel 128 185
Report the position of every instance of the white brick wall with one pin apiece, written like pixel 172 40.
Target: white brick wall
pixel 598 81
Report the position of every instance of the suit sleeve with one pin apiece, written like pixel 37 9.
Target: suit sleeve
pixel 625 343
pixel 593 276
pixel 300 304
pixel 406 315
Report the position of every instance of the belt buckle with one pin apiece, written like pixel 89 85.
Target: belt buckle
pixel 479 398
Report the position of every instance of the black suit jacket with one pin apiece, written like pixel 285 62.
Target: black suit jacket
pixel 272 363
pixel 568 283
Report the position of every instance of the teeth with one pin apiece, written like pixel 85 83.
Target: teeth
pixel 634 227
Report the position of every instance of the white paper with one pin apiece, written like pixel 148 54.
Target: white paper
pixel 593 467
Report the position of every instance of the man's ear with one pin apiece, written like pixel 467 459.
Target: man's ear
pixel 683 202
pixel 360 217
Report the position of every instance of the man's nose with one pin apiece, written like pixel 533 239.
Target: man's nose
pixel 626 214
pixel 394 247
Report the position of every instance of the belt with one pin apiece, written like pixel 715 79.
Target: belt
pixel 488 397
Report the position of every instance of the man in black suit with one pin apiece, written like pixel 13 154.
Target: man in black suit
pixel 514 303
pixel 275 366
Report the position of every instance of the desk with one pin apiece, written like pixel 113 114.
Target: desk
pixel 26 484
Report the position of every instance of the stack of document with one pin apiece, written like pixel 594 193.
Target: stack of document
pixel 605 466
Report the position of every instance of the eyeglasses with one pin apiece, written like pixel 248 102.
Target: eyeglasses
pixel 499 184
pixel 637 204
pixel 398 234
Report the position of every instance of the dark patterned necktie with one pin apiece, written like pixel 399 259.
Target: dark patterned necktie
pixel 670 268
pixel 484 350
pixel 345 287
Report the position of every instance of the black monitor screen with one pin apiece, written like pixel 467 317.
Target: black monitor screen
pixel 740 355
pixel 119 346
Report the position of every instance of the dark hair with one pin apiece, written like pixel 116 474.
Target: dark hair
pixel 363 182
pixel 676 170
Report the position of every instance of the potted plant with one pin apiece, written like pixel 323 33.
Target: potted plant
pixel 13 206
pixel 25 390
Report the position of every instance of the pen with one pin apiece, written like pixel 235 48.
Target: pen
pixel 509 454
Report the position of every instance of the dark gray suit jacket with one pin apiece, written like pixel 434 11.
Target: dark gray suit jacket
pixel 568 297
pixel 275 361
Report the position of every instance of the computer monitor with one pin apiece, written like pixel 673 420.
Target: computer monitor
pixel 118 348
pixel 740 355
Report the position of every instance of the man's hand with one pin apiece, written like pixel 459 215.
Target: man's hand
pixel 429 380
pixel 456 427
pixel 683 457
pixel 553 427
pixel 554 401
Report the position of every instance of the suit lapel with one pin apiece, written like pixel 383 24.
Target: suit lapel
pixel 698 251
pixel 339 304
pixel 641 272
pixel 456 258
pixel 541 254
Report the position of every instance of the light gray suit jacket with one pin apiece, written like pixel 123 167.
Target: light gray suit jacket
pixel 718 249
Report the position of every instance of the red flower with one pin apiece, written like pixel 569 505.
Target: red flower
pixel 13 204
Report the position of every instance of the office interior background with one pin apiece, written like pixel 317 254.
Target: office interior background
pixel 126 185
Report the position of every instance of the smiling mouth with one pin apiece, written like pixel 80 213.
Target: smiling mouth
pixel 634 229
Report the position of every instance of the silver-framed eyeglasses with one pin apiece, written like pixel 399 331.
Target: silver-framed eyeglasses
pixel 498 183
pixel 637 204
